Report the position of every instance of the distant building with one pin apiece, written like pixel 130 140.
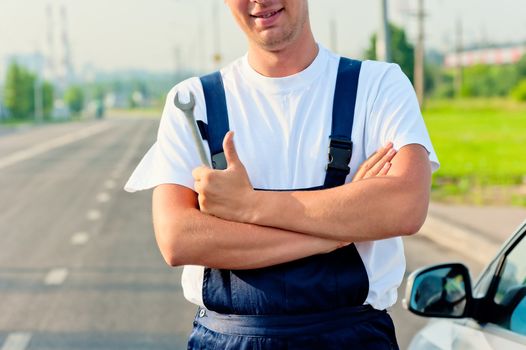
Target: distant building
pixel 489 56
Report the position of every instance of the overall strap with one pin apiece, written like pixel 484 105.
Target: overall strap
pixel 340 147
pixel 217 116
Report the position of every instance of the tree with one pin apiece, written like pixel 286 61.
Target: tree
pixel 403 53
pixel 519 92
pixel 489 80
pixel 74 98
pixel 521 68
pixel 19 94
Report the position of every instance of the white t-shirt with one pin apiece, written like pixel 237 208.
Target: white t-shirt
pixel 282 128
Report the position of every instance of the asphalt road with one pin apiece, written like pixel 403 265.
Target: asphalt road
pixel 79 266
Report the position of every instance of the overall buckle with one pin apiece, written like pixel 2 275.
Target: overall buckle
pixel 340 152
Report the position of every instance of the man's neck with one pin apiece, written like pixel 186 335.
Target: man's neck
pixel 281 63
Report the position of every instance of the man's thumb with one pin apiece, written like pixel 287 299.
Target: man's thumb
pixel 230 149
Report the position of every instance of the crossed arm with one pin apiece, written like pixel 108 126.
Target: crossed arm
pixel 227 224
pixel 187 236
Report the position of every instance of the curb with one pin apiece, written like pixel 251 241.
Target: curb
pixel 471 244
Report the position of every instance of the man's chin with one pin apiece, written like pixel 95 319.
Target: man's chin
pixel 274 42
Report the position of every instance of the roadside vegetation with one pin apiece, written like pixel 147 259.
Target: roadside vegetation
pixel 481 145
pixel 25 98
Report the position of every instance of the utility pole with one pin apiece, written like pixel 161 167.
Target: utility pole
pixel 217 44
pixel 334 35
pixel 383 40
pixel 177 60
pixel 38 100
pixel 458 53
pixel 38 96
pixel 419 54
pixel 201 63
pixel 66 63
pixel 50 56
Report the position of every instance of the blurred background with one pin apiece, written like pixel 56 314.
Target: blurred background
pixel 82 87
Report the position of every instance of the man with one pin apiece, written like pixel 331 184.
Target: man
pixel 289 268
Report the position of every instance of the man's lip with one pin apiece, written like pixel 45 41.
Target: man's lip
pixel 265 13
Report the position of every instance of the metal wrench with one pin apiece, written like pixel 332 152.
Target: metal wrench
pixel 188 110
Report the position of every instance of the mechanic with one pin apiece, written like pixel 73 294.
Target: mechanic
pixel 282 248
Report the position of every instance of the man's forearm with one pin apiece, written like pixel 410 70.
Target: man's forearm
pixel 371 209
pixel 368 210
pixel 189 237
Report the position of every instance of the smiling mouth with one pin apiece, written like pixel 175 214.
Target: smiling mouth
pixel 267 15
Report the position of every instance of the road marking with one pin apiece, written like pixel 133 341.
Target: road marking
pixel 52 144
pixel 17 341
pixel 103 197
pixel 56 277
pixel 79 238
pixel 131 151
pixel 110 184
pixel 93 215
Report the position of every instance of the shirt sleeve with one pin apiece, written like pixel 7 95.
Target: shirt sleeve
pixel 395 116
pixel 174 155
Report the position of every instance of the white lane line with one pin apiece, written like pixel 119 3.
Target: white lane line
pixel 93 215
pixel 17 341
pixel 131 151
pixel 79 238
pixel 103 197
pixel 56 277
pixel 110 184
pixel 51 144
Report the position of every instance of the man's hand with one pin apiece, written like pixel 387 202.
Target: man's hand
pixel 228 193
pixel 377 165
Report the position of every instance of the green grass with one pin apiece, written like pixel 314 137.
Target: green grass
pixel 480 144
pixel 150 112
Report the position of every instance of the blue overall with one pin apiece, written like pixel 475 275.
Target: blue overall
pixel 311 303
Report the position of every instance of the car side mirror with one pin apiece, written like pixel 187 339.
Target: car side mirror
pixel 439 291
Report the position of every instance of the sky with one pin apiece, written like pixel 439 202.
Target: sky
pixel 163 35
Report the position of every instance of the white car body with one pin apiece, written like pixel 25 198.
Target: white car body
pixel 441 334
